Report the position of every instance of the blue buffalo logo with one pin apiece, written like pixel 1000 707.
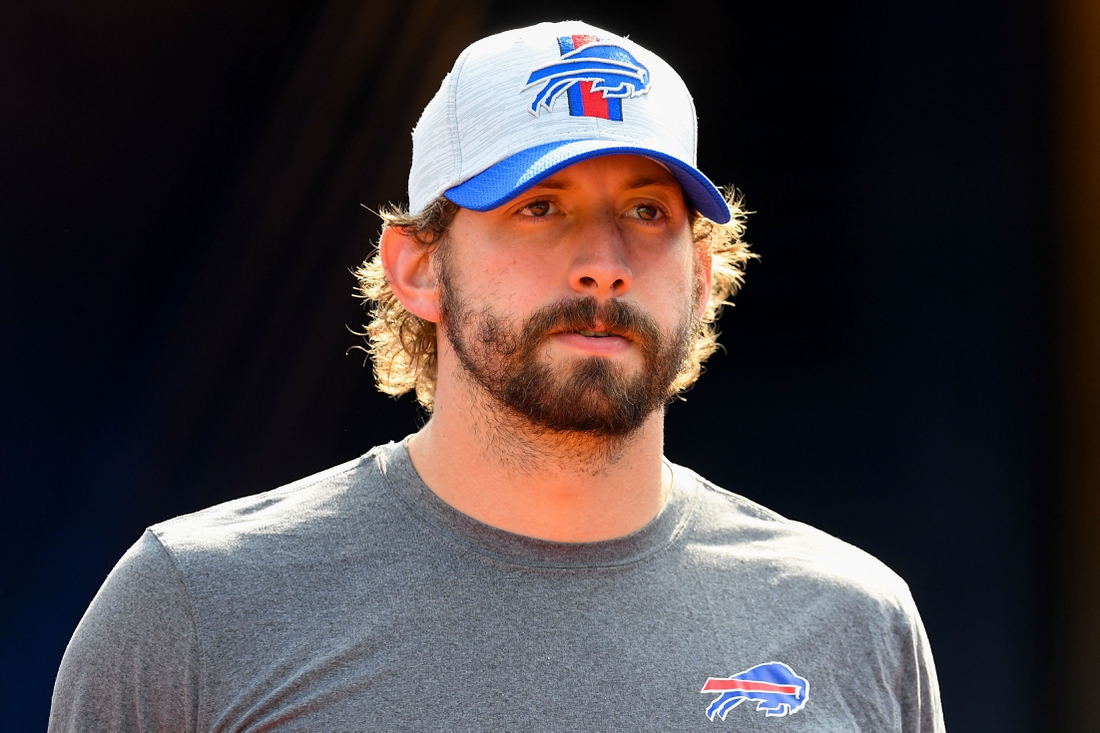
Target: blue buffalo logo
pixel 774 686
pixel 596 76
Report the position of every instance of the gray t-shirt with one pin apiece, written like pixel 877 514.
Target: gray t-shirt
pixel 356 600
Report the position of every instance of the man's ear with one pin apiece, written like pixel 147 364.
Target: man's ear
pixel 704 276
pixel 408 268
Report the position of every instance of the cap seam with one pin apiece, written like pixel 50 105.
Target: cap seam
pixel 452 119
pixel 694 129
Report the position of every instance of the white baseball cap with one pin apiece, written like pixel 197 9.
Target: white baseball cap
pixel 523 104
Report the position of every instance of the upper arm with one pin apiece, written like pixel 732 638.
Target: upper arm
pixel 133 661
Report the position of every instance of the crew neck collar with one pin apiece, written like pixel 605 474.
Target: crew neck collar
pixel 404 482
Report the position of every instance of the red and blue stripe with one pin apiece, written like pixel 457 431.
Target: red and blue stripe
pixel 583 102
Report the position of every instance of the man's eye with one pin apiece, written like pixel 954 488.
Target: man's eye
pixel 648 212
pixel 538 208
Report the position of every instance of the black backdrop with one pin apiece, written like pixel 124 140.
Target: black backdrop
pixel 179 205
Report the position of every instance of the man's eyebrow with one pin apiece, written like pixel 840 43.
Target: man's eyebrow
pixel 564 184
pixel 646 181
pixel 554 183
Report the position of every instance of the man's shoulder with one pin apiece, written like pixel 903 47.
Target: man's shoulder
pixel 731 528
pixel 315 504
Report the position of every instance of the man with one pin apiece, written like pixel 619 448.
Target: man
pixel 527 560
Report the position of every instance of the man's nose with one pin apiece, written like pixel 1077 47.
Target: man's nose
pixel 599 267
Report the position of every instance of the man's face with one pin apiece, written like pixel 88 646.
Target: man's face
pixel 575 305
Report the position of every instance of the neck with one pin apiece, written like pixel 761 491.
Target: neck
pixel 565 487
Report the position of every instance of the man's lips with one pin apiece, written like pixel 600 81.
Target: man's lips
pixel 594 343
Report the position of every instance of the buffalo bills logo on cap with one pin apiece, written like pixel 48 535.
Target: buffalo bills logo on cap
pixel 597 77
pixel 774 686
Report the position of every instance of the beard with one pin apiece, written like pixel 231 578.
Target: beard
pixel 591 396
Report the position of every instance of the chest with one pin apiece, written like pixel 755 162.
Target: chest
pixel 468 645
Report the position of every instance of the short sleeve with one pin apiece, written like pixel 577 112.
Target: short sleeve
pixel 918 688
pixel 132 663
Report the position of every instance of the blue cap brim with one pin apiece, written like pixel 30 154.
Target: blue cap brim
pixel 514 175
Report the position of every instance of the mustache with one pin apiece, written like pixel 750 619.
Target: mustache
pixel 589 314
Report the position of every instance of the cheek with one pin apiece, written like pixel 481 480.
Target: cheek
pixel 675 278
pixel 522 283
pixel 668 300
pixel 495 287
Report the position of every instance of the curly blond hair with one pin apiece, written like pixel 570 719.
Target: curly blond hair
pixel 403 346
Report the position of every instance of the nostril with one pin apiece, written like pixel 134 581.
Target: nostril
pixel 587 281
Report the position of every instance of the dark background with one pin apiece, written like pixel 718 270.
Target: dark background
pixel 180 190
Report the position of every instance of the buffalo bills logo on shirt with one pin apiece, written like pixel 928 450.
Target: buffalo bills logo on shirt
pixel 596 76
pixel 774 686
